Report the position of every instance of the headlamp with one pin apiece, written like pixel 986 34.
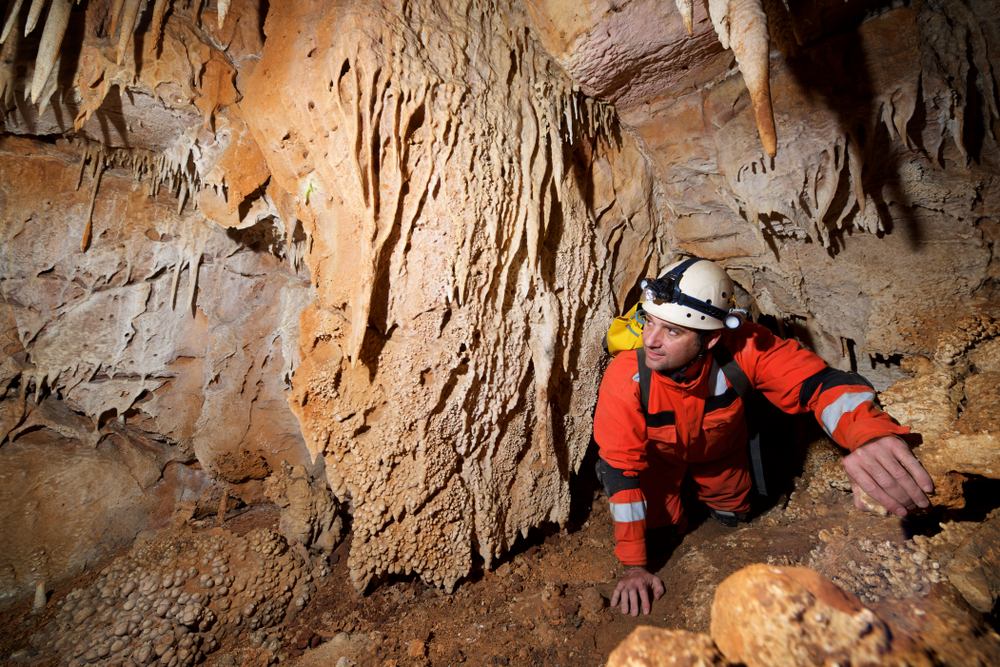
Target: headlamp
pixel 735 318
pixel 659 290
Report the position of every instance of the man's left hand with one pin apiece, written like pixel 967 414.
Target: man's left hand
pixel 888 471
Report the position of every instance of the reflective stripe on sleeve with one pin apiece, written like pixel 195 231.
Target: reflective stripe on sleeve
pixel 844 404
pixel 628 512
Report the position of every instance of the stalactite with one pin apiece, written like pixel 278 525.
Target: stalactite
pixel 156 31
pixel 8 62
pixel 746 31
pixel 194 263
pixel 223 7
pixel 114 15
pixel 130 13
pixel 48 50
pixel 13 12
pixel 686 8
pixel 34 13
pixel 99 170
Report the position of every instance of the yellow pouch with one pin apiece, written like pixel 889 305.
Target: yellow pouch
pixel 625 332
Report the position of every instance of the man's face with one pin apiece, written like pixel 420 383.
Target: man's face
pixel 670 346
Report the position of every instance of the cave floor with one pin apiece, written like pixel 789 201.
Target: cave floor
pixel 539 605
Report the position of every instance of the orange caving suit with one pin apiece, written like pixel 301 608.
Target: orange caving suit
pixel 697 428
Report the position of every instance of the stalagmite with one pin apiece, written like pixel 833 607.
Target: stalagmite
pixel 48 49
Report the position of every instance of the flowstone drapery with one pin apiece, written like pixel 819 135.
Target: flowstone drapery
pixel 460 196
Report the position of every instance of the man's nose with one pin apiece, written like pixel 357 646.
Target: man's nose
pixel 652 337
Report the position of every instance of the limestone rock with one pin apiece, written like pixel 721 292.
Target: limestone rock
pixel 429 281
pixel 954 444
pixel 985 357
pixel 940 629
pixel 975 568
pixel 117 353
pixel 765 615
pixel 179 595
pixel 982 395
pixel 654 647
pixel 927 403
pixel 874 565
pixel 477 189
pixel 341 649
pixel 309 512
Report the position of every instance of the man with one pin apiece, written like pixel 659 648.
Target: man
pixel 693 423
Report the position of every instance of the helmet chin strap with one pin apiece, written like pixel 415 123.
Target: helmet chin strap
pixel 677 375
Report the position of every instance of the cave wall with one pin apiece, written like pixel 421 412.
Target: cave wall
pixel 385 240
pixel 874 222
pixel 140 368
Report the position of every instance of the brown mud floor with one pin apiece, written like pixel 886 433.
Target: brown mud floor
pixel 546 602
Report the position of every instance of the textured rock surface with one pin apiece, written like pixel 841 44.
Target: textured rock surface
pixel 654 647
pixel 176 597
pixel 452 354
pixel 975 568
pixel 472 211
pixel 952 403
pixel 309 512
pixel 868 166
pixel 765 615
pixel 133 364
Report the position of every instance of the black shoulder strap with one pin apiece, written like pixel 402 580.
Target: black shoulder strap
pixel 741 383
pixel 645 379
pixel 732 370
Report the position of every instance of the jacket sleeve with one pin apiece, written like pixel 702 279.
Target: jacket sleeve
pixel 620 433
pixel 797 381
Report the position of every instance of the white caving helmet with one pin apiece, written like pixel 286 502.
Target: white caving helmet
pixel 693 293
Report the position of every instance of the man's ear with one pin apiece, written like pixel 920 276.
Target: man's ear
pixel 712 338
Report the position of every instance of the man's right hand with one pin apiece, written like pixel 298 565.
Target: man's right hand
pixel 634 588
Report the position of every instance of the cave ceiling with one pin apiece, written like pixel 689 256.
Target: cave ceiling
pixel 385 238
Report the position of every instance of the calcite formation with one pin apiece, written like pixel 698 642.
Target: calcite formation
pixel 176 597
pixel 310 515
pixel 771 616
pixel 451 355
pixel 655 647
pixel 975 568
pixel 799 617
pixel 151 358
pixel 872 569
pixel 765 615
pixel 411 222
pixel 951 403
